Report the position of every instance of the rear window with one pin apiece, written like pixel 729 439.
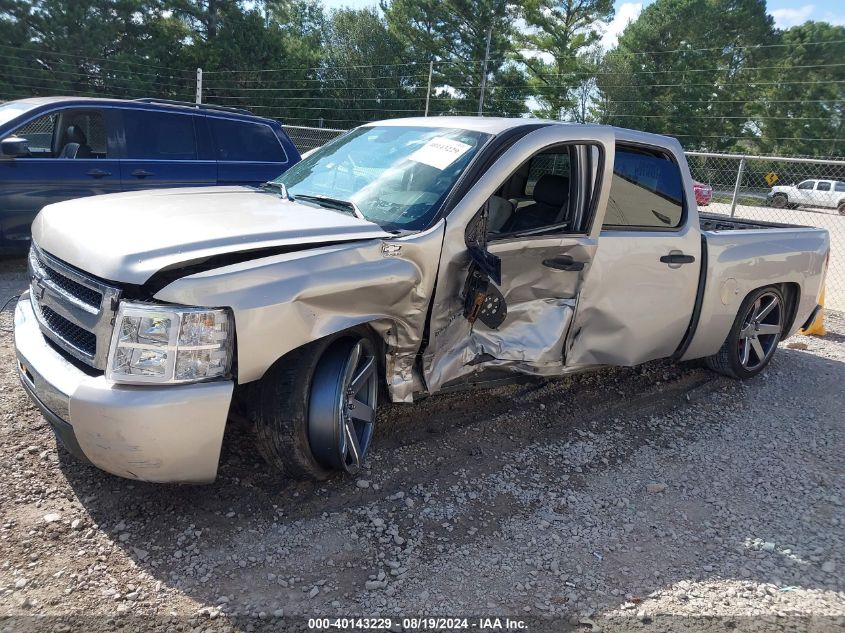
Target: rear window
pixel 840 186
pixel 159 135
pixel 242 141
pixel 823 186
pixel 646 192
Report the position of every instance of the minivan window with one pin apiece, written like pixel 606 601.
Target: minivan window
pixel 159 135
pixel 646 191
pixel 39 135
pixel 66 134
pixel 90 130
pixel 245 141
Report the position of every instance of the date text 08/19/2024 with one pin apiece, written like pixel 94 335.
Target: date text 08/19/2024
pixel 419 624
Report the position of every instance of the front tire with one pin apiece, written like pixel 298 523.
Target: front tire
pixel 315 410
pixel 779 201
pixel 754 336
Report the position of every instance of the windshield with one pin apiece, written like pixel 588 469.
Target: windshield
pixel 397 177
pixel 9 111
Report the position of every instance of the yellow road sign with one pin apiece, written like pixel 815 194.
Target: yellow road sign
pixel 771 178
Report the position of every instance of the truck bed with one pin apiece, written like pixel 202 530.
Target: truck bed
pixel 718 222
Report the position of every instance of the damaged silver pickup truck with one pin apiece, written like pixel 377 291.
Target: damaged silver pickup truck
pixel 400 259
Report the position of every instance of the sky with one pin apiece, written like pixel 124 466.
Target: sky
pixel 785 12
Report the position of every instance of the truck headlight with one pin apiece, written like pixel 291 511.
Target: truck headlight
pixel 164 344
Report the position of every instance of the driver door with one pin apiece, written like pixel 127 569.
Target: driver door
pixel 528 229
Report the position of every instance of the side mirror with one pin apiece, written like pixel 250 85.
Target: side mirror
pixel 14 146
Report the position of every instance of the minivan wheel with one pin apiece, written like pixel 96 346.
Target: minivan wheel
pixel 779 201
pixel 754 336
pixel 314 410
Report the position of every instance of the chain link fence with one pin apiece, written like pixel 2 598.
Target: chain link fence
pixel 308 138
pixel 803 191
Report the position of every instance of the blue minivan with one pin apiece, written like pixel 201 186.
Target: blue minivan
pixel 57 148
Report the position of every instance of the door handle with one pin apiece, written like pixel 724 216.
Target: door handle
pixel 564 262
pixel 98 173
pixel 142 173
pixel 677 258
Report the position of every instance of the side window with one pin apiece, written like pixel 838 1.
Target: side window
pixel 242 141
pixel 646 191
pixel 807 184
pixel 840 186
pixel 556 164
pixel 823 186
pixel 159 135
pixel 39 135
pixel 85 128
pixel 541 196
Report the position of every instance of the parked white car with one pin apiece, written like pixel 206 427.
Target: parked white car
pixel 829 194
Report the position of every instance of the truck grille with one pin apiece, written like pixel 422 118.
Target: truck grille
pixel 72 334
pixel 74 289
pixel 75 311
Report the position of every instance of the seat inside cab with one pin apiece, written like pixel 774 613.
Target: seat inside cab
pixel 536 196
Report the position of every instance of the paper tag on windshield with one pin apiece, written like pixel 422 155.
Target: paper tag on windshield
pixel 440 152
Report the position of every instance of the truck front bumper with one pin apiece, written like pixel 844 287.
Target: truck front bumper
pixel 170 433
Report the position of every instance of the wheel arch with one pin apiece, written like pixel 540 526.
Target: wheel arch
pixel 379 331
pixel 791 291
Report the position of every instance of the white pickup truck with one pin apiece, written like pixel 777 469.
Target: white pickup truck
pixel 401 258
pixel 826 194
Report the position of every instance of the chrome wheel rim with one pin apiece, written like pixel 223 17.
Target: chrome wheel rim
pixel 342 407
pixel 760 332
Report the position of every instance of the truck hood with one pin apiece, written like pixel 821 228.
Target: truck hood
pixel 127 237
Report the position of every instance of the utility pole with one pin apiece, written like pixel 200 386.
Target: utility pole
pixel 428 92
pixel 484 72
pixel 199 85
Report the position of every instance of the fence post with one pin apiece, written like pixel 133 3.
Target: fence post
pixel 199 85
pixel 484 73
pixel 428 92
pixel 738 182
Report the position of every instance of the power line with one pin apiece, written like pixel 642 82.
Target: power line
pixel 110 76
pixel 103 59
pixel 513 59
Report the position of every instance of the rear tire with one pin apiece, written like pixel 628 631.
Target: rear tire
pixel 841 207
pixel 753 337
pixel 301 408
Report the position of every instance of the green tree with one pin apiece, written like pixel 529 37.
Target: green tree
pixel 453 34
pixel 799 105
pixel 89 47
pixel 686 68
pixel 365 75
pixel 249 58
pixel 559 36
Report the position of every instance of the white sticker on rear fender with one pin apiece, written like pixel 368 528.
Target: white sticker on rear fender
pixel 440 152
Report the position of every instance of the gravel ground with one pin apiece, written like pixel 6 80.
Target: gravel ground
pixel 661 497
